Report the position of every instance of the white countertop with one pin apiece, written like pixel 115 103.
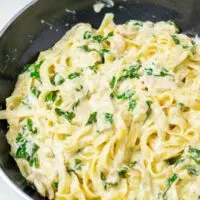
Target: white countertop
pixel 8 8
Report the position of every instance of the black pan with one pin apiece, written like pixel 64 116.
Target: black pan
pixel 44 22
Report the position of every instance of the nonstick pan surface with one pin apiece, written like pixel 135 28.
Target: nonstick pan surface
pixel 44 22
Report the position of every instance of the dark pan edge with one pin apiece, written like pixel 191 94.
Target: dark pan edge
pixel 16 16
pixel 3 175
pixel 12 186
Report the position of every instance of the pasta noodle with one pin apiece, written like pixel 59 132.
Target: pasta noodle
pixel 110 114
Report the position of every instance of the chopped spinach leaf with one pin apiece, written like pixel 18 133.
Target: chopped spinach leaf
pixel 138 24
pixel 85 48
pixel 55 185
pixel 78 164
pixel 194 155
pixel 110 34
pixel 34 161
pixel 57 79
pixel 101 39
pixel 164 72
pixel 102 176
pixel 50 98
pixel 59 112
pixel 34 70
pixel 148 103
pixel 79 89
pixel 87 35
pixel 35 91
pixel 173 160
pixel 75 104
pixel 181 105
pixel 132 164
pixel 101 52
pixel 148 71
pixel 26 67
pixel 106 183
pixel 132 105
pixel 67 115
pixel 176 39
pixel 30 127
pixel 59 101
pixel 74 75
pixel 93 68
pixel 171 180
pixel 92 118
pixel 131 72
pixel 122 173
pixel 108 117
pixel 112 82
pixel 27 151
pixel 125 95
pixel 98 38
pixel 20 138
pixel 193 171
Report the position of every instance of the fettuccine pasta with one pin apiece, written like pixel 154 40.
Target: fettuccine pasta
pixel 110 114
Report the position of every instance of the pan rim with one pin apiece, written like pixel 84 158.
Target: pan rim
pixel 3 175
pixel 7 25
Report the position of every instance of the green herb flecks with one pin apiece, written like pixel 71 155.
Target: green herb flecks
pixel 30 126
pixel 164 72
pixel 93 68
pixel 35 91
pixel 27 151
pixel 125 95
pixel 55 185
pixel 92 118
pixel 101 39
pixel 132 105
pixel 176 39
pixel 57 79
pixel 59 101
pixel 132 164
pixel 34 70
pixel 138 24
pixel 149 110
pixel 131 72
pixel 101 52
pixel 74 75
pixel 171 180
pixel 112 82
pixel 194 155
pixel 122 173
pixel 87 35
pixel 178 42
pixel 75 105
pixel 175 25
pixel 181 105
pixel 77 164
pixel 67 115
pixel 173 160
pixel 148 71
pixel 50 98
pixel 107 184
pixel 97 38
pixel 79 89
pixel 192 170
pixel 108 117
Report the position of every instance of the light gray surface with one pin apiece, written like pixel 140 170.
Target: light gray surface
pixel 8 9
